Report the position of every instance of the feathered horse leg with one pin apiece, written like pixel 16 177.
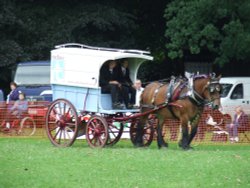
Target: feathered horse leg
pixel 139 132
pixel 160 140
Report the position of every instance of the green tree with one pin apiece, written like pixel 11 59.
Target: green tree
pixel 29 29
pixel 220 29
pixel 10 50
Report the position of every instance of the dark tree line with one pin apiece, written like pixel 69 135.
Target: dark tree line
pixel 29 29
pixel 174 31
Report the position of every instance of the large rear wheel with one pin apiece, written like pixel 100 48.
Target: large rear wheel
pixel 62 123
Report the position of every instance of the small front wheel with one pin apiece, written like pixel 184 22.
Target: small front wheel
pixel 97 132
pixel 148 132
pixel 115 131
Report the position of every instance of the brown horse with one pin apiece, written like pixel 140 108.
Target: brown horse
pixel 183 100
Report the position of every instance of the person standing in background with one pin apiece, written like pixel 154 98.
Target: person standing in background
pixel 240 120
pixel 11 98
pixel 14 93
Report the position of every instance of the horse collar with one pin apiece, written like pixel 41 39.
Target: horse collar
pixel 196 102
pixel 193 95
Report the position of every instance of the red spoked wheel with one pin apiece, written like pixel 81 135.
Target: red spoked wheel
pixel 97 132
pixel 148 132
pixel 62 123
pixel 115 130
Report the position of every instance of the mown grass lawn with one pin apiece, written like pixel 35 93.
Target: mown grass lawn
pixel 34 162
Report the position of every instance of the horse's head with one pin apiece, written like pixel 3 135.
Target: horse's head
pixel 212 91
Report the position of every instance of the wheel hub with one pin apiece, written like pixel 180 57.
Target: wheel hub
pixel 61 122
pixel 97 131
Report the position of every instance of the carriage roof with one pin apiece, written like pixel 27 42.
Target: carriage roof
pixel 79 65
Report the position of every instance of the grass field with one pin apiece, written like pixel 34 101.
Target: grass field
pixel 34 162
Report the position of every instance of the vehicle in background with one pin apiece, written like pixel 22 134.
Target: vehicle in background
pixel 1 95
pixel 235 92
pixel 33 78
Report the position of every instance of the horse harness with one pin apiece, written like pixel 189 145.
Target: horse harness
pixel 212 86
pixel 174 90
pixel 174 93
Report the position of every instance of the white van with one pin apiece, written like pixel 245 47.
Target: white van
pixel 236 92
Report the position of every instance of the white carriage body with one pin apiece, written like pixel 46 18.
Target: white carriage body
pixel 75 72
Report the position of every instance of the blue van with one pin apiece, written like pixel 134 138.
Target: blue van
pixel 33 78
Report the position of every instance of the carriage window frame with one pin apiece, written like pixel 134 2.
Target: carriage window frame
pixel 237 92
pixel 226 88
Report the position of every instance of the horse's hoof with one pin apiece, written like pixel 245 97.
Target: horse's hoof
pixel 180 144
pixel 138 145
pixel 188 148
pixel 166 145
pixel 159 146
pixel 163 148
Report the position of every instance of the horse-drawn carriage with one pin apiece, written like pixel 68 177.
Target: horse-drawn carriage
pixel 80 108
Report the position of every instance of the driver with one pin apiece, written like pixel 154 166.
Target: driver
pixel 109 83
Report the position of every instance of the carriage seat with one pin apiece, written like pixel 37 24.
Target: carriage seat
pixel 106 101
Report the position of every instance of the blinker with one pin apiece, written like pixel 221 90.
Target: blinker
pixel 213 88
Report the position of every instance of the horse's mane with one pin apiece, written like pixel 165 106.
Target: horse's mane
pixel 179 78
pixel 200 76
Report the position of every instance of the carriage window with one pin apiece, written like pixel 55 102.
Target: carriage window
pixel 237 92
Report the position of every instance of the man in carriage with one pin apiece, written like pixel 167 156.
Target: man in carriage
pixel 129 91
pixel 110 84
